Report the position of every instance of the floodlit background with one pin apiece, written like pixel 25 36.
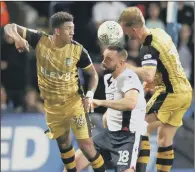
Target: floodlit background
pixel 24 147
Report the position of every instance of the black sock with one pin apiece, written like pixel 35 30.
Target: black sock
pixel 165 158
pixel 97 163
pixel 144 154
pixel 68 158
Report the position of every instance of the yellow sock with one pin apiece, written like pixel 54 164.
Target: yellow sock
pixel 97 163
pixel 68 158
pixel 144 153
pixel 165 158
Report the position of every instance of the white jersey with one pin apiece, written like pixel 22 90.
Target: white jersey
pixel 115 89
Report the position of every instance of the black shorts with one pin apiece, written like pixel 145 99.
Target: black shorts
pixel 118 149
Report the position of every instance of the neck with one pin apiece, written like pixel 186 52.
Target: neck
pixel 185 41
pixel 145 32
pixel 118 71
pixel 58 43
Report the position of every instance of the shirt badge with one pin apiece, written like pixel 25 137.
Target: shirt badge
pixel 68 61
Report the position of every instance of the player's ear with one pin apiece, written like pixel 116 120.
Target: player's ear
pixel 133 29
pixel 57 31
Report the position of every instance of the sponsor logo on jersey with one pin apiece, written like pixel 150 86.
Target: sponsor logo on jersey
pixel 55 75
pixel 147 56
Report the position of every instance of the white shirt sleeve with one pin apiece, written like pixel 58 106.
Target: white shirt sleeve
pixel 129 82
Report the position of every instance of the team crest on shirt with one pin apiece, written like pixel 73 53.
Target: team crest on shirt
pixel 68 61
pixel 80 121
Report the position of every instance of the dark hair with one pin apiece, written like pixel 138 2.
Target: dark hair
pixel 59 18
pixel 120 50
pixel 115 48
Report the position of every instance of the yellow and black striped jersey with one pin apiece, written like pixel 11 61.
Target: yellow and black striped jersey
pixel 159 50
pixel 57 68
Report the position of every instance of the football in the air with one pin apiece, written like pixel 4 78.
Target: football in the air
pixel 110 33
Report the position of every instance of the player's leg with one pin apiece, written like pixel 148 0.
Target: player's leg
pixel 67 152
pixel 125 150
pixel 165 154
pixel 153 106
pixel 144 149
pixel 91 154
pixel 144 154
pixel 59 130
pixel 105 120
pixel 172 119
pixel 81 127
pixel 81 161
pixel 153 123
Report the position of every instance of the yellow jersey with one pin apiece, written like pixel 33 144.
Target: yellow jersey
pixel 57 68
pixel 159 50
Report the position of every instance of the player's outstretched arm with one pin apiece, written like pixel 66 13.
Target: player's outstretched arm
pixel 16 32
pixel 149 59
pixel 22 36
pixel 146 74
pixel 125 104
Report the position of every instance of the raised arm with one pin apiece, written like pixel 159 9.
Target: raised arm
pixel 130 87
pixel 86 64
pixel 149 58
pixel 22 36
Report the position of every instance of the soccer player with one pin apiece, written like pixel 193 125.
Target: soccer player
pixel 160 66
pixel 58 59
pixel 119 144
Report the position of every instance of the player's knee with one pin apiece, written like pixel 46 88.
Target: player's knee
pixel 87 146
pixel 64 146
pixel 164 141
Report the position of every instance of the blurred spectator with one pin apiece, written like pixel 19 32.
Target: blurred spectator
pixel 32 102
pixel 142 8
pixel 6 106
pixel 163 11
pixel 13 70
pixel 184 49
pixel 191 46
pixel 103 11
pixel 22 14
pixel 154 21
pixel 185 13
pixel 133 52
pixel 4 19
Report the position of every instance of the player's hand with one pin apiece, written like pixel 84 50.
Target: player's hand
pixel 22 45
pixel 88 104
pixel 148 87
pixel 96 103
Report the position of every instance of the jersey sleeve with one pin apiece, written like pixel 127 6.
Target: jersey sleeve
pixel 32 37
pixel 149 56
pixel 85 60
pixel 129 82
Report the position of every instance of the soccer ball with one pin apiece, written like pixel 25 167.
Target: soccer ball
pixel 110 33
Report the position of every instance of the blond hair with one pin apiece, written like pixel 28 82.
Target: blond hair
pixel 132 16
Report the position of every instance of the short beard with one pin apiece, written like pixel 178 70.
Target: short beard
pixel 107 71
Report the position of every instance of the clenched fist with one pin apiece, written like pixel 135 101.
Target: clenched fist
pixel 22 45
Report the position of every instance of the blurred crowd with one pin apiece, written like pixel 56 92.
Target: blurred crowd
pixel 19 90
